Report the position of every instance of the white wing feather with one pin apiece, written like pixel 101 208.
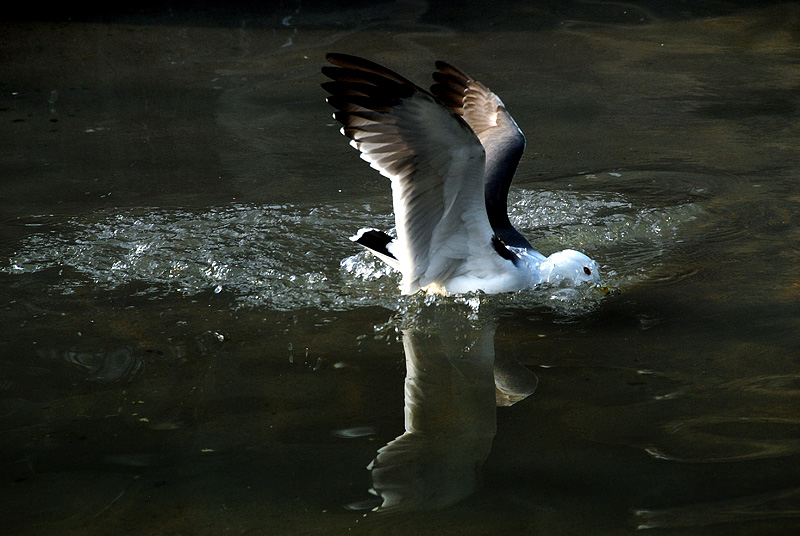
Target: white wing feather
pixel 436 166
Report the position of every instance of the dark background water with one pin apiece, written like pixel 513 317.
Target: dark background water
pixel 182 352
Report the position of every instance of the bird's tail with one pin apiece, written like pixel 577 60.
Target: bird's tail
pixel 379 243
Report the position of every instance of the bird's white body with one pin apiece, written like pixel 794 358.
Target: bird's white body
pixel 533 269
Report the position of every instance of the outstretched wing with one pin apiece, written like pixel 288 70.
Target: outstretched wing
pixel 435 163
pixel 500 136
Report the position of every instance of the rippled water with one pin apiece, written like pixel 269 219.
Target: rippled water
pixel 192 344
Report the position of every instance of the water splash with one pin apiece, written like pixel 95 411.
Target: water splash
pixel 286 257
pixel 282 256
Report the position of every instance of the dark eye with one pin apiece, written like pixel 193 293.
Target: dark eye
pixel 587 270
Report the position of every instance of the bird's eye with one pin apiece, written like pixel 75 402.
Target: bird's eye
pixel 587 270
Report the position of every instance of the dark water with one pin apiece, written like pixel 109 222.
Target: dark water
pixel 191 345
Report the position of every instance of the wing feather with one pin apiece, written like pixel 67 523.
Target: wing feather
pixel 499 134
pixel 435 163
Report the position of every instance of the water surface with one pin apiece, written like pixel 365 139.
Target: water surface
pixel 192 344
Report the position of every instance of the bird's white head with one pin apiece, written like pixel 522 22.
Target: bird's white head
pixel 571 267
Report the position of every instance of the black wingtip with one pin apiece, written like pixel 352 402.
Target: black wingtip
pixel 356 63
pixel 377 241
pixel 338 58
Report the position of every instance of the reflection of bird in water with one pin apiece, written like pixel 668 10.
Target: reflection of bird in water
pixel 450 154
pixel 451 392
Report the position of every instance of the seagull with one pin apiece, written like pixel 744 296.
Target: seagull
pixel 450 154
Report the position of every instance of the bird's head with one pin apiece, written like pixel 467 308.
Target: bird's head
pixel 570 266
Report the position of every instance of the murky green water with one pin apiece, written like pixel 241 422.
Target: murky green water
pixel 191 344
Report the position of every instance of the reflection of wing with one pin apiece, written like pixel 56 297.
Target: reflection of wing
pixel 436 165
pixel 500 136
pixel 513 381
